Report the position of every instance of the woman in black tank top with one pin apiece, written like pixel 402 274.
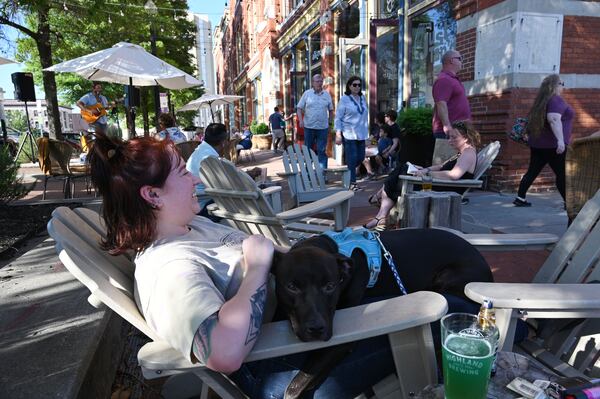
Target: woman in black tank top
pixel 464 138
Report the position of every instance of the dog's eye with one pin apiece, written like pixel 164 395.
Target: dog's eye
pixel 329 287
pixel 292 287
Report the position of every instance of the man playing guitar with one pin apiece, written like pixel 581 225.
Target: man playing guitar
pixel 93 108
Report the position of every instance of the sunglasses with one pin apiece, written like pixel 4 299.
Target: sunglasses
pixel 356 84
pixel 561 84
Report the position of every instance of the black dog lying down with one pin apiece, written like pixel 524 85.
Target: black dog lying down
pixel 313 279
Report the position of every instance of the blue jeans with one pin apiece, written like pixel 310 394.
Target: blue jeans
pixel 320 136
pixel 354 150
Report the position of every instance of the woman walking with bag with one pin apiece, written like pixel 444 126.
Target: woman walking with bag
pixel 549 130
pixel 352 126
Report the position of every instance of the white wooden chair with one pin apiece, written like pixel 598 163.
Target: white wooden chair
pixel 247 208
pixel 558 291
pixel 485 157
pixel 306 178
pixel 406 320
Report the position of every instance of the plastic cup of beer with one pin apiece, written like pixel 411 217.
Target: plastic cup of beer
pixel 427 184
pixel 467 356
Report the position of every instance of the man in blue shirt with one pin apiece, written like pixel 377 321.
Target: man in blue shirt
pixel 275 122
pixel 92 98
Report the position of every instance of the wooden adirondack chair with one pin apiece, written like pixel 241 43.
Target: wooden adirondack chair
pixel 485 157
pixel 110 279
pixel 239 200
pixel 186 148
pixel 306 178
pixel 558 291
pixel 582 173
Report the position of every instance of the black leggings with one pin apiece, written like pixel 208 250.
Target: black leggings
pixel 538 159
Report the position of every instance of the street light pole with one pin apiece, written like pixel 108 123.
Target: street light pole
pixel 151 8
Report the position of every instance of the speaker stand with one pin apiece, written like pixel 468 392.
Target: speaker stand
pixel 28 135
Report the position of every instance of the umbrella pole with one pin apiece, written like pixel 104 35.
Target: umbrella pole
pixel 131 111
pixel 212 115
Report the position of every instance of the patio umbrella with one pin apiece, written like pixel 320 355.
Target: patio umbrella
pixel 209 100
pixel 127 64
pixel 6 61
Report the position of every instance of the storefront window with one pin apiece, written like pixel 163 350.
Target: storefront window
pixel 432 34
pixel 387 67
pixel 389 8
pixel 315 53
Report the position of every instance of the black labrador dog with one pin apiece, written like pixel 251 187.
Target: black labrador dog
pixel 313 280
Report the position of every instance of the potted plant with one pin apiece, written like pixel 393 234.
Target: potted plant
pixel 417 134
pixel 261 135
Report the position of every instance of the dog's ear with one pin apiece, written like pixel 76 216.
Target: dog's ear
pixel 346 266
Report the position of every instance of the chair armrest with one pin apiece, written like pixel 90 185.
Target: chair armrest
pixel 507 242
pixel 271 190
pixel 537 296
pixel 470 183
pixel 352 324
pixel 322 205
pixel 336 169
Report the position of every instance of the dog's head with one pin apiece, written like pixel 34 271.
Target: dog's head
pixel 309 280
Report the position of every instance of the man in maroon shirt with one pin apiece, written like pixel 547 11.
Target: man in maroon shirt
pixel 451 102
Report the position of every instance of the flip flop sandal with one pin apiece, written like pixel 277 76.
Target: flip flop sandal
pixel 380 225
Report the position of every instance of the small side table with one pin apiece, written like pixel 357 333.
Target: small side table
pixel 509 365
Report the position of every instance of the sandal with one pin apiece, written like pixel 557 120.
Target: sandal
pixel 375 200
pixel 380 224
pixel 355 187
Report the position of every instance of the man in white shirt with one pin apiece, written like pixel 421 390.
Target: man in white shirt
pixel 315 115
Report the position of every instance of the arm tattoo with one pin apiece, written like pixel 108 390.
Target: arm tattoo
pixel 201 344
pixel 257 302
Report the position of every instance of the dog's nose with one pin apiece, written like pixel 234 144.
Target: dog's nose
pixel 315 330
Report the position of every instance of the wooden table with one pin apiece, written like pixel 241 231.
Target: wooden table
pixel 509 365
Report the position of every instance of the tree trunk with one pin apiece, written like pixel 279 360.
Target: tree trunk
pixel 45 50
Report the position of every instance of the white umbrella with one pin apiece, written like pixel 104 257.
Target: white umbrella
pixel 209 100
pixel 6 61
pixel 127 64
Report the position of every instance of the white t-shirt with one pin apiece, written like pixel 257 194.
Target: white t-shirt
pixel 315 109
pixel 180 282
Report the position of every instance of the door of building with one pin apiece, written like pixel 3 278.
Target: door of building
pixel 385 64
pixel 353 62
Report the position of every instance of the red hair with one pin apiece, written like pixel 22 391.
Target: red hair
pixel 119 169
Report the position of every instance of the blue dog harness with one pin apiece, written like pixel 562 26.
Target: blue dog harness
pixel 348 240
pixel 369 243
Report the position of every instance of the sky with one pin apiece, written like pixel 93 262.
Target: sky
pixel 214 9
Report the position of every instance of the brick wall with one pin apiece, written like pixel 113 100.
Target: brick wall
pixel 465 44
pixel 580 47
pixel 494 114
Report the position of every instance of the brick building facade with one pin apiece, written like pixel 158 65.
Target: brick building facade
pixel 272 48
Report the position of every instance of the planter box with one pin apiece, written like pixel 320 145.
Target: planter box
pixel 262 141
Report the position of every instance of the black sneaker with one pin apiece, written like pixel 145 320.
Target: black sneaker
pixel 520 202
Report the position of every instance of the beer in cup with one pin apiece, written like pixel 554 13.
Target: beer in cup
pixel 467 356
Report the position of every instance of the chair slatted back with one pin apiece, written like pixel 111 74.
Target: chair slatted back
pixel 304 162
pixel 186 148
pixel 240 200
pixel 54 156
pixel 108 279
pixel 485 157
pixel 575 257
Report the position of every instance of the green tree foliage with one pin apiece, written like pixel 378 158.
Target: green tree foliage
pixel 11 185
pixel 87 26
pixel 17 120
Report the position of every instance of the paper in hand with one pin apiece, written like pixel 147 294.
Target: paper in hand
pixel 412 169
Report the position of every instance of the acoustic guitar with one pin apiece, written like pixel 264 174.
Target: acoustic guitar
pixel 92 113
